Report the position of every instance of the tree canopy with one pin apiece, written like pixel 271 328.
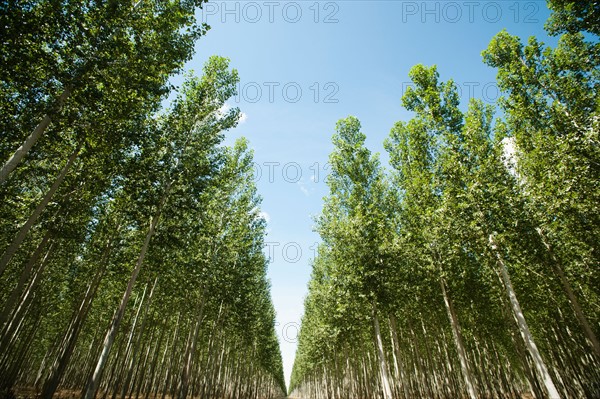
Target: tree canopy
pixel 470 268
pixel 132 242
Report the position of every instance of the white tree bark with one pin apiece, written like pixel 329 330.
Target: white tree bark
pixel 585 325
pixel 20 237
pixel 458 341
pixel 94 381
pixel 540 366
pixel 385 379
pixel 39 130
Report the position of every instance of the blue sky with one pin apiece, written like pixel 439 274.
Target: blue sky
pixel 303 65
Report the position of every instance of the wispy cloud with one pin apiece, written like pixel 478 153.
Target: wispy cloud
pixel 265 216
pixel 221 112
pixel 303 188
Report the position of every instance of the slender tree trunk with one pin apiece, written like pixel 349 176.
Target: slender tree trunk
pixel 170 361
pixel 10 373
pixel 585 325
pixel 20 237
pixel 190 350
pixel 127 353
pixel 25 275
pixel 149 387
pixel 385 379
pixel 39 130
pixel 398 358
pixel 136 348
pixel 94 381
pixel 458 341
pixel 60 365
pixel 523 327
pixel 10 330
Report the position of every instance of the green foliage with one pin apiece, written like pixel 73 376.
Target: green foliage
pixel 202 293
pixel 468 196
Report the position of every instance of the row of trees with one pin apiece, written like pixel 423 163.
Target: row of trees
pixel 471 269
pixel 131 240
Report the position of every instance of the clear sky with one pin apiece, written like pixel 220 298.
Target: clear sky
pixel 305 64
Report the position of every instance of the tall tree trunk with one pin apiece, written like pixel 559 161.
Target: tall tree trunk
pixel 58 368
pixel 25 275
pixel 138 342
pixel 540 366
pixel 585 325
pixel 127 352
pixel 398 357
pixel 149 386
pixel 10 373
pixel 94 380
pixel 18 240
pixel 169 362
pixel 458 341
pixel 190 350
pixel 39 130
pixel 9 331
pixel 60 365
pixel 385 379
